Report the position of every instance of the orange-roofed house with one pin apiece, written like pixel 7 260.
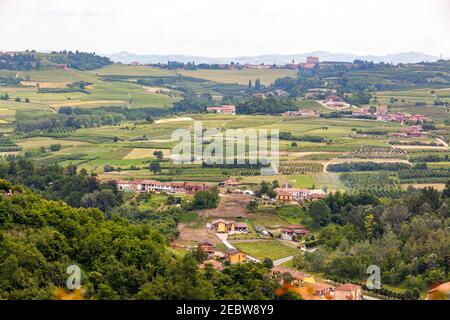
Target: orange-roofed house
pixel 285 197
pixel 293 232
pixel 299 278
pixel 218 266
pixel 225 226
pixel 441 292
pixel 230 183
pixel 208 247
pixel 225 109
pixel 236 256
pixel 316 291
pixel 348 291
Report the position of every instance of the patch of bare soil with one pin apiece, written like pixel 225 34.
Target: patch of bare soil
pixel 230 206
pixel 196 234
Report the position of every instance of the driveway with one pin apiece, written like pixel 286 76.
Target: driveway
pixel 224 236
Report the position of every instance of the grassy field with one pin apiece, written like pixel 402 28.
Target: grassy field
pixel 272 249
pixel 412 96
pixel 129 147
pixel 224 76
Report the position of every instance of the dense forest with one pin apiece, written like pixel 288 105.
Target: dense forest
pixel 79 60
pixel 119 258
pixel 77 188
pixel 76 118
pixel 29 60
pixel 19 61
pixel 406 237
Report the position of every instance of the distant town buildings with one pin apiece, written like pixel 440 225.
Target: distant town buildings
pixel 401 117
pixel 410 132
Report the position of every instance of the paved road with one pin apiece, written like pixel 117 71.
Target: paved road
pixel 282 260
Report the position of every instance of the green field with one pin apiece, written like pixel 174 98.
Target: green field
pixel 225 76
pixel 272 249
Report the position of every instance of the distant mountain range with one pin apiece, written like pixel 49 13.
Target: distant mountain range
pixel 403 57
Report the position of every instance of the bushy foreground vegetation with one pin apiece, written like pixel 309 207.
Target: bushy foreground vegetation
pixel 119 258
pixel 407 238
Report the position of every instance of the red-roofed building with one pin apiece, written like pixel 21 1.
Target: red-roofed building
pixel 348 291
pixel 230 183
pixel 208 247
pixel 293 232
pixel 225 109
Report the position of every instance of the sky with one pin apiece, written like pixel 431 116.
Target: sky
pixel 221 28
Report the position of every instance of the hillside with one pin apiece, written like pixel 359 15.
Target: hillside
pixel 32 60
pixel 402 57
pixel 119 259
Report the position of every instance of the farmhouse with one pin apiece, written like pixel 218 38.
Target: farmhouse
pixel 285 197
pixel 293 232
pixel 218 266
pixel 225 109
pixel 298 278
pixel 322 289
pixel 287 194
pixel 230 183
pixel 208 247
pixel 226 226
pixel 157 186
pixel 316 291
pixel 300 113
pixel 348 291
pixel 235 256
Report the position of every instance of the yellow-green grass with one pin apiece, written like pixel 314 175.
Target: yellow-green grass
pixel 225 76
pixel 101 92
pixel 267 77
pixel 124 69
pixel 272 249
pixel 36 142
pixel 139 153
pixel 268 219
pixel 438 165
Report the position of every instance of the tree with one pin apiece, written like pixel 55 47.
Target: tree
pixel 369 225
pixel 268 263
pixel 206 199
pixel 55 147
pixel 320 212
pixel 158 154
pixel 155 167
pixel 446 191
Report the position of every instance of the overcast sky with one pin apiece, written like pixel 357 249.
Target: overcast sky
pixel 227 27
